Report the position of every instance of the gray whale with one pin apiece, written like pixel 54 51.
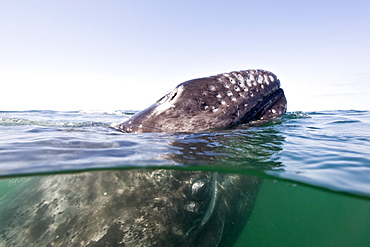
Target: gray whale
pixel 217 102
pixel 152 207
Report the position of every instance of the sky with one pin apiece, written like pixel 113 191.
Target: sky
pixel 125 55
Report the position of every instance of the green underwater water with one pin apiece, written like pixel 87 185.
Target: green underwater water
pixel 7 185
pixel 288 214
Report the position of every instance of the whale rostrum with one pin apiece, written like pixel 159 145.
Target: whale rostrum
pixel 217 102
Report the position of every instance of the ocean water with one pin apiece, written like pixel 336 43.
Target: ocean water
pixel 315 166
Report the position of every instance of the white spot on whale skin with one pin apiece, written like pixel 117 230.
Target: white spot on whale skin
pixel 229 93
pixel 236 88
pixel 218 96
pixel 222 102
pixel 233 98
pixel 219 79
pixel 239 76
pixel 232 80
pixel 191 206
pixel 260 79
pixel 212 88
pixel 214 109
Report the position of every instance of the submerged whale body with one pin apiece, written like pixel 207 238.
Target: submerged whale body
pixel 128 208
pixel 152 207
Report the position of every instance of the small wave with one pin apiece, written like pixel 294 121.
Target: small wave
pixel 108 112
pixel 16 122
pixel 22 122
pixel 296 115
pixel 345 121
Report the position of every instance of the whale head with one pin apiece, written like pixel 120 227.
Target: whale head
pixel 217 102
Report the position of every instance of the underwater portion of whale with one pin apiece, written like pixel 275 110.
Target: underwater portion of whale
pixel 216 102
pixel 152 207
pixel 128 208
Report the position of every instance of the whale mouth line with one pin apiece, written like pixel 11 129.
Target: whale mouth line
pixel 262 107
